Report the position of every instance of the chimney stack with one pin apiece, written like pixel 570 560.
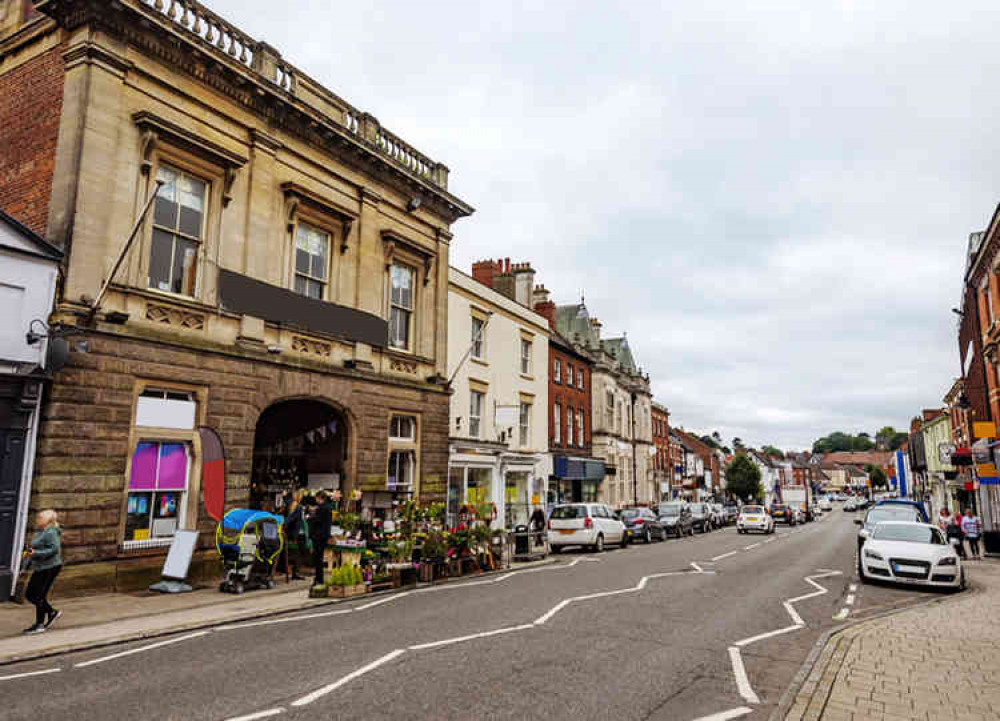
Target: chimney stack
pixel 485 271
pixel 543 306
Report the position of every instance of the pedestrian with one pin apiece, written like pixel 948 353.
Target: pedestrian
pixel 319 533
pixel 537 525
pixel 972 527
pixel 297 535
pixel 45 559
pixel 944 520
pixel 954 534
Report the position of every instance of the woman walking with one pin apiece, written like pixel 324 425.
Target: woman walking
pixel 297 536
pixel 972 527
pixel 45 559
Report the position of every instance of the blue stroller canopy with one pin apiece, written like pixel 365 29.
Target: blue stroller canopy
pixel 237 518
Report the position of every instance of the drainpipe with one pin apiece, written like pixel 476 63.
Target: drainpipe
pixel 635 479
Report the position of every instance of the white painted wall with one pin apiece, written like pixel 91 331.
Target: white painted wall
pixel 27 286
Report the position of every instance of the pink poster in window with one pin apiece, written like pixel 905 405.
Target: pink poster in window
pixel 173 467
pixel 143 476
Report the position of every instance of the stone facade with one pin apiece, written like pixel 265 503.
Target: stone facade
pixel 274 168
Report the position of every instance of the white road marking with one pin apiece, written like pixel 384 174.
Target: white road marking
pixel 379 602
pixel 259 715
pixel 132 651
pixel 853 587
pixel 725 555
pixel 285 619
pixel 769 634
pixel 752 545
pixel 319 693
pixel 30 673
pixel 696 567
pixel 842 614
pixel 742 682
pixel 850 599
pixel 727 715
pixel 471 637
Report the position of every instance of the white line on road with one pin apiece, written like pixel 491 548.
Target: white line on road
pixel 752 545
pixel 470 637
pixel 379 602
pixel 696 567
pixel 259 715
pixel 285 619
pixel 853 587
pixel 725 555
pixel 842 614
pixel 742 683
pixel 767 541
pixel 319 693
pixel 769 634
pixel 727 715
pixel 30 673
pixel 850 599
pixel 150 647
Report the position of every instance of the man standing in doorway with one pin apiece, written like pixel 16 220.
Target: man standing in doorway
pixel 319 534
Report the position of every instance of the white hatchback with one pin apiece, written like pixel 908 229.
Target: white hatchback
pixel 591 525
pixel 754 518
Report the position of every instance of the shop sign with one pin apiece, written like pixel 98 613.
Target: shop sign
pixel 984 429
pixel 945 452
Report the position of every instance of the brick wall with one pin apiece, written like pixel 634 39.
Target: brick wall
pixel 83 441
pixel 568 396
pixel 30 105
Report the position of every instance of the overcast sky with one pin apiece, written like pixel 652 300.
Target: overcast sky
pixel 773 203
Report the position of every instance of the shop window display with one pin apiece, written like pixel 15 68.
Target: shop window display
pixel 157 490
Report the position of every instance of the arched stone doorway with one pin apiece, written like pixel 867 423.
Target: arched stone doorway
pixel 299 443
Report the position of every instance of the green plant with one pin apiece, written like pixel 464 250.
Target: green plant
pixel 349 521
pixel 435 545
pixel 435 513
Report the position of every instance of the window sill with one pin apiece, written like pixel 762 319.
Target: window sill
pixel 139 548
pixel 480 361
pixel 526 377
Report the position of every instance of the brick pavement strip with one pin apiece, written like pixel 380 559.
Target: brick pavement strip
pixel 933 661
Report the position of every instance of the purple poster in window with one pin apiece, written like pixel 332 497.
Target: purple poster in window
pixel 144 467
pixel 173 467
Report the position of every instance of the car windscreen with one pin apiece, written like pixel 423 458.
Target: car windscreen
pixel 910 534
pixel 630 513
pixel 698 508
pixel 670 510
pixel 752 509
pixel 566 513
pixel 888 513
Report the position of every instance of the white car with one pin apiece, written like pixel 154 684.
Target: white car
pixel 591 525
pixel 825 504
pixel 911 553
pixel 754 518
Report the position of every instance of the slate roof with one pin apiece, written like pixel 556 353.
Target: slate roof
pixel 41 246
pixel 620 351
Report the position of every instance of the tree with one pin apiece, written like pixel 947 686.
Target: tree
pixel 743 479
pixel 717 438
pixel 884 438
pixel 738 444
pixel 773 452
pixel 877 476
pixel 840 441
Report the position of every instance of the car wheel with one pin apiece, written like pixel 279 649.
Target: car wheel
pixel 599 544
pixel 861 573
pixel 961 581
pixel 555 550
pixel 646 537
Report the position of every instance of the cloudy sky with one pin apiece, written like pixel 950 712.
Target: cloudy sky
pixel 773 203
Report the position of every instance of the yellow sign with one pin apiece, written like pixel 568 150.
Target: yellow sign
pixel 535 499
pixel 983 429
pixel 140 534
pixel 986 470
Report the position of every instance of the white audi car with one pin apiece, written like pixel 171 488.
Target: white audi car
pixel 754 518
pixel 911 553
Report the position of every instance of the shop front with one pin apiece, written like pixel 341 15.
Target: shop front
pixel 524 488
pixel 576 480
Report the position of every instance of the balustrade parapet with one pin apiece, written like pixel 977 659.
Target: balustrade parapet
pixel 201 26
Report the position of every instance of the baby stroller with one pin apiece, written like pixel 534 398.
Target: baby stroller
pixel 248 542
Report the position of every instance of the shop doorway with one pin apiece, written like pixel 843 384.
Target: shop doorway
pixel 298 444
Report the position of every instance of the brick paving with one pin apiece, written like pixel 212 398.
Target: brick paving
pixel 936 661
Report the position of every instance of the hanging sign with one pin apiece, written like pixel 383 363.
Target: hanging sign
pixel 213 472
pixel 982 429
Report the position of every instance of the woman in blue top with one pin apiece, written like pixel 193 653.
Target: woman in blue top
pixel 45 559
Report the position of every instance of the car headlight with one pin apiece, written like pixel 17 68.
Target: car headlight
pixel 873 554
pixel 949 561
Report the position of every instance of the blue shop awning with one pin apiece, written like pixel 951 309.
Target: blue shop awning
pixel 578 469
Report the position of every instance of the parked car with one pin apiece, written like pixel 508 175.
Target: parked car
pixel 701 517
pixel 881 514
pixel 911 553
pixel 718 515
pixel 781 512
pixel 732 513
pixel 850 505
pixel 676 519
pixel 754 518
pixel 825 504
pixel 591 525
pixel 642 524
pixel 903 503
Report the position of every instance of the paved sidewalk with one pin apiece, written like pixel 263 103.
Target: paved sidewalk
pixel 94 621
pixel 936 661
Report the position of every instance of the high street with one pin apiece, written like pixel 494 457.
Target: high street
pixel 677 630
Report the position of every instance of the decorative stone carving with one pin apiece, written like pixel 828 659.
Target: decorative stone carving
pixel 403 366
pixel 177 317
pixel 311 347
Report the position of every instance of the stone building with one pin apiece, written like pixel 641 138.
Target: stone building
pixel 287 288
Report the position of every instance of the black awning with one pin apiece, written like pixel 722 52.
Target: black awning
pixel 241 294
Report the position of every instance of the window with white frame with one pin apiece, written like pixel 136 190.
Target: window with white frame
pixel 609 411
pixel 401 279
pixel 403 450
pixel 403 428
pixel 524 424
pixel 579 428
pixel 525 357
pixel 178 232
pixel 312 260
pixel 557 371
pixel 478 342
pixel 157 490
pixel 569 374
pixel 401 470
pixel 475 413
pixel 557 424
pixel 570 425
pixel 579 378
